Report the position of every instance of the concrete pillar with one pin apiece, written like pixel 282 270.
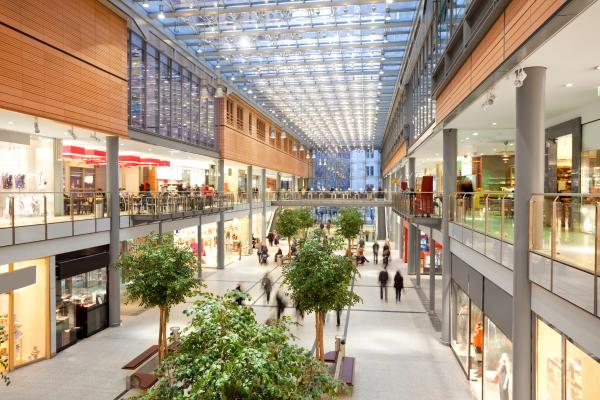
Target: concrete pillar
pixel 401 240
pixel 293 188
pixel 413 232
pixel 263 195
pixel 112 191
pixel 380 228
pixel 529 179
pixel 411 174
pixel 431 273
pixel 250 203
pixel 221 222
pixel 449 157
pixel 199 241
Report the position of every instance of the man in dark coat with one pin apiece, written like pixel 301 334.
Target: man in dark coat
pixel 376 251
pixel 384 276
pixel 398 285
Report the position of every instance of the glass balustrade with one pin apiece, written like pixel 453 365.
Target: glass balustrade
pixel 418 204
pixel 489 213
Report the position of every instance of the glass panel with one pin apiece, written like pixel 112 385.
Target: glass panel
pixel 186 106
pixel 548 363
pixel 582 375
pixel 176 101
pixel 460 325
pixel 152 76
pixel 541 224
pixel 136 81
pixel 476 353
pixel 4 347
pixel 576 232
pixel 165 96
pixel 494 217
pixel 30 315
pixel 497 359
pixel 478 212
pixel 210 128
pixel 196 113
pixel 508 232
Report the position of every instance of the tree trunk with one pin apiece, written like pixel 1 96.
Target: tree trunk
pixel 162 335
pixel 349 253
pixel 321 340
pixel 317 346
pixel 289 246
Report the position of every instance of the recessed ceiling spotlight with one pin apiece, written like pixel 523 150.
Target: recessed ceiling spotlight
pixel 494 124
pixel 568 85
pixel 475 133
pixel 145 4
pixel 597 67
pixel 10 122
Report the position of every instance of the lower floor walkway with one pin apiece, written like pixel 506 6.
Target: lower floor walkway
pixel 398 353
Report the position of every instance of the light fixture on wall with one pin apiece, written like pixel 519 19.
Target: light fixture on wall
pixel 325 163
pixel 320 162
pixel 294 147
pixel 204 92
pixel 71 133
pixel 273 134
pixel 301 147
pixel 283 135
pixel 489 100
pixel 219 93
pixel 36 125
pixel 161 14
pixel 520 76
pixel 313 155
pixel 307 155
pixel 94 136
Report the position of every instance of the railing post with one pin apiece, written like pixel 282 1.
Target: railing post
pixel 553 231
pixel 45 217
pixel 11 211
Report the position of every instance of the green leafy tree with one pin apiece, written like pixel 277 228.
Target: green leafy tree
pixel 287 225
pixel 3 359
pixel 319 280
pixel 349 225
pixel 159 273
pixel 226 354
pixel 305 218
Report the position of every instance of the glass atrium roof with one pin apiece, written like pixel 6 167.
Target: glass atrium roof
pixel 327 69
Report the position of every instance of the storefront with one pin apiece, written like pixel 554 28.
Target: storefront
pixel 426 253
pixel 81 295
pixel 24 311
pixel 480 332
pixel 563 370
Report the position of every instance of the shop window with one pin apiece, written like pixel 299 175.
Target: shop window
pixel 460 325
pixel 497 368
pixel 176 101
pixel 152 77
pixel 30 315
pixel 582 375
pixel 548 363
pixel 136 81
pixel 196 113
pixel 164 115
pixel 476 349
pixel 186 106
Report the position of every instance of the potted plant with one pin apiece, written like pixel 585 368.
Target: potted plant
pixel 159 273
pixel 349 225
pixel 225 353
pixel 319 280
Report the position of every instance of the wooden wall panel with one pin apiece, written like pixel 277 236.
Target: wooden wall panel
pixel 394 159
pixel 520 20
pixel 65 60
pixel 243 145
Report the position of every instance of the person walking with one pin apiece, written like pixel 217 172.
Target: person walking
pixel 338 316
pixel 267 285
pixel 361 242
pixel 386 257
pixel 376 251
pixel 276 239
pixel 383 280
pixel 270 237
pixel 398 285
pixel 280 305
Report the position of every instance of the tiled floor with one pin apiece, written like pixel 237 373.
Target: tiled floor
pixel 398 354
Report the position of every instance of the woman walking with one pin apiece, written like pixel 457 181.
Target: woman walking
pixel 398 285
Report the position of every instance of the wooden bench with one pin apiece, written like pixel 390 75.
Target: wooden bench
pixel 347 370
pixel 144 381
pixel 331 357
pixel 139 360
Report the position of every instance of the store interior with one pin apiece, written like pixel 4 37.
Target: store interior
pixel 63 167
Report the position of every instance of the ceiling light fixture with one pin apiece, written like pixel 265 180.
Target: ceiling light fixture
pixel 145 4
pixel 520 76
pixel 71 133
pixel 489 101
pixel 597 67
pixel 161 14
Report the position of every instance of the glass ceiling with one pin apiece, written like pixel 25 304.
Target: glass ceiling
pixel 327 69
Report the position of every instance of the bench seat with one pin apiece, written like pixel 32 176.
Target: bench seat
pixel 139 360
pixel 347 370
pixel 145 381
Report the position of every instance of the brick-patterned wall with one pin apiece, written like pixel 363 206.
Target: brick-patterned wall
pixel 516 24
pixel 243 145
pixel 65 60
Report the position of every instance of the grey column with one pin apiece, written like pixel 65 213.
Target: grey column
pixel 250 195
pixel 431 273
pixel 199 240
pixel 381 232
pixel 529 179
pixel 263 195
pixel 293 183
pixel 112 191
pixel 221 222
pixel 278 182
pixel 449 154
pixel 401 239
pixel 413 233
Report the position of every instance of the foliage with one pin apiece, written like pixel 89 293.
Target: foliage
pixel 159 273
pixel 349 224
pixel 305 219
pixel 287 225
pixel 319 280
pixel 3 359
pixel 226 354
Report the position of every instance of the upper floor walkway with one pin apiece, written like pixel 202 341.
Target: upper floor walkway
pixel 333 198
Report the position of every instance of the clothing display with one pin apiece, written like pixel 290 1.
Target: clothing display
pixel 25 206
pixel 7 181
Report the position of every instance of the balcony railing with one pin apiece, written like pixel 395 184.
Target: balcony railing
pixel 418 204
pixel 34 216
pixel 284 195
pixel 489 213
pixel 565 247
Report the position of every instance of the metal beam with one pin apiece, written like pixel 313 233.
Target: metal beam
pixel 317 74
pixel 266 6
pixel 294 49
pixel 375 60
pixel 299 29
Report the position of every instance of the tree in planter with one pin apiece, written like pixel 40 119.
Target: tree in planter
pixel 159 273
pixel 319 280
pixel 349 225
pixel 226 354
pixel 3 359
pixel 305 219
pixel 287 225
